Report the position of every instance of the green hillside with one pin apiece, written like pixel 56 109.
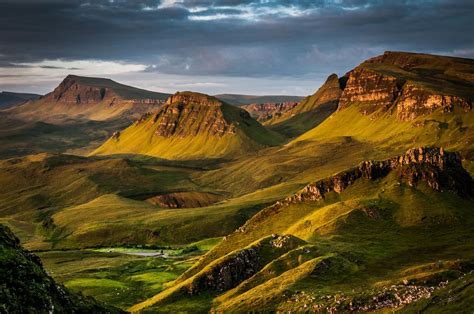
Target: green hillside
pixel 192 126
pixel 359 241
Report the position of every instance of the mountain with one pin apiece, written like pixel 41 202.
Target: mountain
pixel 239 100
pixel 27 288
pixel 266 111
pixel 317 248
pixel 90 98
pixel 9 99
pixel 311 111
pixel 192 126
pixel 402 99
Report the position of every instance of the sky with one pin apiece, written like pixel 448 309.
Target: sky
pixel 218 46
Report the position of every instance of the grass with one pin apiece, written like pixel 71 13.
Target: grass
pixel 111 276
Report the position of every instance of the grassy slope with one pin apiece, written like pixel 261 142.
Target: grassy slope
pixel 141 139
pixel 114 277
pixel 376 250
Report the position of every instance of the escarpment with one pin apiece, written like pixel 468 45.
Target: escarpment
pixel 191 114
pixel 414 84
pixel 439 169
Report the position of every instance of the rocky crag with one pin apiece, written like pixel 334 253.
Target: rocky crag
pixel 439 169
pixel 266 111
pixel 25 287
pixel 410 85
pixel 192 124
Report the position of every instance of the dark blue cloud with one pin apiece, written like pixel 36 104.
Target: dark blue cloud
pixel 247 38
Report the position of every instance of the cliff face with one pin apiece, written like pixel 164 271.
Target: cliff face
pixel 416 84
pixel 267 111
pixel 440 170
pixel 189 114
pixel 371 89
pixel 26 288
pixel 414 101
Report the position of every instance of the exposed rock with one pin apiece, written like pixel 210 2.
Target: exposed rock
pixel 266 111
pixel 182 111
pixel 236 267
pixel 440 170
pixel 416 84
pixel 416 100
pixel 370 90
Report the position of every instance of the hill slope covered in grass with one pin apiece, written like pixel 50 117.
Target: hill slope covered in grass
pixel 357 233
pixel 311 111
pixel 192 126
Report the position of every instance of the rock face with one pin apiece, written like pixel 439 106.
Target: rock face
pixel 26 288
pixel 266 111
pixel 192 125
pixel 416 84
pixel 440 170
pixel 414 101
pixel 238 266
pixel 92 98
pixel 189 114
pixel 372 89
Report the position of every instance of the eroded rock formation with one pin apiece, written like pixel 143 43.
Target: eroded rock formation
pixel 440 170
pixel 416 84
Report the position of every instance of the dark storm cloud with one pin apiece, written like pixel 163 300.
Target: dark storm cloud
pixel 232 37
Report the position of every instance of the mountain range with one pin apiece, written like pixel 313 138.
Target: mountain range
pixel 356 198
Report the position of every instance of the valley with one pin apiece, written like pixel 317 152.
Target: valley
pixel 356 198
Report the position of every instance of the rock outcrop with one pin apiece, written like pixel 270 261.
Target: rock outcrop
pixel 416 84
pixel 189 114
pixel 266 111
pixel 238 266
pixel 25 287
pixel 440 170
pixel 192 125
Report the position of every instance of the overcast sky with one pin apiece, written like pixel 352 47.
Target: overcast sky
pixel 217 46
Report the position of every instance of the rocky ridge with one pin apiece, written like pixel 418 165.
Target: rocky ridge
pixel 440 170
pixel 414 84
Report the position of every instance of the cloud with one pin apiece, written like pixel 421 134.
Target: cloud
pixel 226 38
